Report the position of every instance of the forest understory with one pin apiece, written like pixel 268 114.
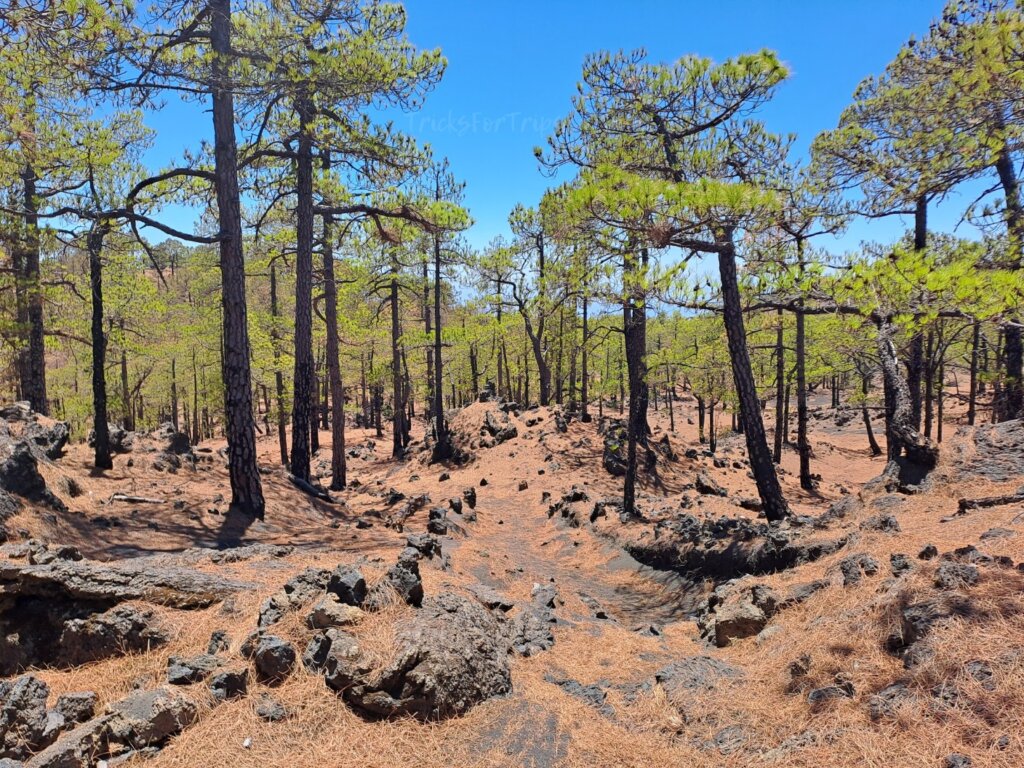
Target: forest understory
pixel 872 628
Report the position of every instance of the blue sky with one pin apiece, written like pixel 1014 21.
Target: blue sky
pixel 513 68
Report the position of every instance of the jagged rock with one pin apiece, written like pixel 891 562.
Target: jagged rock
pixel 728 547
pixel 348 584
pixel 331 612
pixel 469 495
pixel 455 504
pixel 499 426
pixel 491 599
pixel 853 566
pixel 531 629
pixel 173 441
pixel 839 510
pixel 403 578
pixel 997 533
pixel 229 684
pixel 929 552
pixel 707 485
pixel 272 610
pixel 432 675
pixel 950 576
pixel 149 718
pixel 916 621
pixel 614 456
pixel 820 698
pixel 273 658
pixel 122 629
pixel 181 671
pixel 592 695
pixel 121 441
pixel 730 613
pixel 601 508
pixel 49 441
pixel 306 585
pixel 138 579
pixel 76 707
pixel 956 760
pixel 19 474
pixel 22 716
pixel 682 678
pixel 900 564
pixel 882 523
pixel 885 704
pixel 76 748
pixel 425 544
pixel 270 709
pixel 218 642
pixel 43 554
pixel 436 522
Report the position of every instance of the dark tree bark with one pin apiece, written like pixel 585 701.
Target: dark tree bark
pixel 865 382
pixel 427 410
pixel 1010 404
pixel 915 358
pixel 972 397
pixel 126 397
pixel 303 387
pixel 634 329
pixel 282 436
pixel 803 445
pixel 197 434
pixel 338 464
pixel 902 431
pixel 174 395
pixel 101 432
pixel 33 355
pixel 442 439
pixel 584 363
pixel 780 387
pixel 772 500
pixel 398 403
pixel 929 383
pixel 246 491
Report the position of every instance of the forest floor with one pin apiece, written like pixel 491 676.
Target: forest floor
pixel 820 681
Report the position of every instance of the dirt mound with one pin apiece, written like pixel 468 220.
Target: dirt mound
pixel 487 424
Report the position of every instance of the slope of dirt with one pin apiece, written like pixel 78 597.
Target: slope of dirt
pixel 842 676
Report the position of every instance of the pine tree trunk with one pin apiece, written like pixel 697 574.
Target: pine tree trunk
pixel 760 458
pixel 398 415
pixel 972 397
pixel 174 395
pixel 33 368
pixel 803 445
pixel 429 402
pixel 584 363
pixel 634 327
pixel 302 382
pixel 246 490
pixel 903 432
pixel 875 449
pixel 1011 401
pixel 442 439
pixel 780 376
pixel 282 436
pixel 337 390
pixel 101 432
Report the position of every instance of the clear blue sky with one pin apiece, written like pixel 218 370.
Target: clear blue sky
pixel 513 67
